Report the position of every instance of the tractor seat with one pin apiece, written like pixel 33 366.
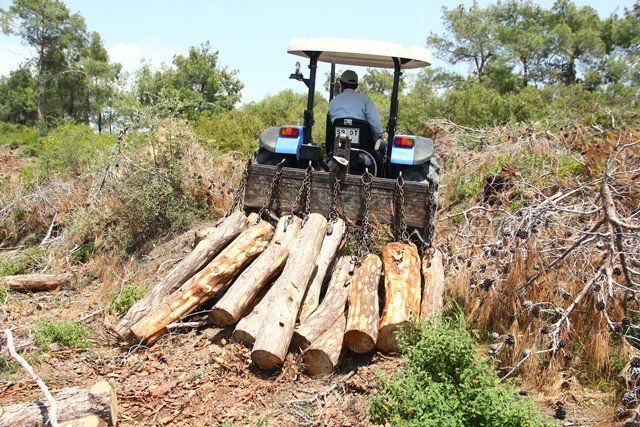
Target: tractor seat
pixel 358 130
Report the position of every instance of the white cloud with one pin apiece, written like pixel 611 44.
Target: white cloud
pixel 12 54
pixel 154 51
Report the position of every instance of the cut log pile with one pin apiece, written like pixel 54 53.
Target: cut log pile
pixel 293 287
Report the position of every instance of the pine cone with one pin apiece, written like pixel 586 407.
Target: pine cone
pixel 510 339
pixel 635 362
pixel 535 310
pixel 600 305
pixel 545 330
pixel 617 271
pixel 561 412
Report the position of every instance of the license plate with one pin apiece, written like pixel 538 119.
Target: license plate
pixel 352 133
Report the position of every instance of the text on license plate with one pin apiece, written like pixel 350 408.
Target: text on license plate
pixel 352 133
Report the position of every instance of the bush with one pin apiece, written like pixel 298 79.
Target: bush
pixel 62 332
pixel 18 135
pixel 69 150
pixel 125 299
pixel 446 384
pixel 21 263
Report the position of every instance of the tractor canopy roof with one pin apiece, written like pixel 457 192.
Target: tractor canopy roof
pixel 367 53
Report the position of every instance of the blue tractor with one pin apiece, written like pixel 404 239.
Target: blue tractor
pixel 392 181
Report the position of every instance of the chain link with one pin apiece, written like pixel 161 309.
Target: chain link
pixel 301 207
pixel 364 243
pixel 335 196
pixel 275 184
pixel 400 220
pixel 238 197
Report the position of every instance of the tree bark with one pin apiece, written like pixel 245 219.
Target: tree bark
pixel 432 294
pixel 205 284
pixel 402 292
pixel 249 326
pixel 76 406
pixel 364 308
pixel 330 246
pixel 322 357
pixel 237 299
pixel 273 339
pixel 37 282
pixel 203 253
pixel 332 306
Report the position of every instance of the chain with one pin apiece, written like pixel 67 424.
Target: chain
pixel 238 197
pixel 400 221
pixel 275 184
pixel 304 195
pixel 427 244
pixel 333 210
pixel 363 246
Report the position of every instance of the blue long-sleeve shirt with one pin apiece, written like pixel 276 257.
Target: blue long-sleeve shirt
pixel 356 105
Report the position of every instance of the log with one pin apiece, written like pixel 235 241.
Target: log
pixel 228 229
pixel 330 246
pixel 432 294
pixel 332 306
pixel 249 326
pixel 237 299
pixel 37 282
pixel 322 357
pixel 402 279
pixel 364 308
pixel 275 334
pixel 205 284
pixel 77 406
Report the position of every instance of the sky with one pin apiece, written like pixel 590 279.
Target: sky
pixel 252 36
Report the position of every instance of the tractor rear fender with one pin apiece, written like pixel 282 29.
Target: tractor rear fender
pixel 411 150
pixel 284 140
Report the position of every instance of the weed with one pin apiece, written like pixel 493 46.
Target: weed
pixel 62 332
pixel 446 384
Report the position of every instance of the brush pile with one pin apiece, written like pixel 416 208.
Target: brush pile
pixel 292 286
pixel 547 259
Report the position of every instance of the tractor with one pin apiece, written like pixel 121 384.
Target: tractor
pixel 349 174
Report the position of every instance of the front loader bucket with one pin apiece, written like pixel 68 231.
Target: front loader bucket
pixel 418 198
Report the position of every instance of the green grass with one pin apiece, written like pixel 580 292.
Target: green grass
pixel 62 332
pixel 446 384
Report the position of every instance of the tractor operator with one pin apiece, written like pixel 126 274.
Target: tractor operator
pixel 355 105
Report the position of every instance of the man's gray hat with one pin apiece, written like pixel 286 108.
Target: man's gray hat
pixel 349 77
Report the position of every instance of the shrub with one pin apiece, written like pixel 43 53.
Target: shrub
pixel 62 332
pixel 69 150
pixel 446 384
pixel 22 262
pixel 125 299
pixel 18 135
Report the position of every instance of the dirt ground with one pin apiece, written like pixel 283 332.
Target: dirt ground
pixel 202 378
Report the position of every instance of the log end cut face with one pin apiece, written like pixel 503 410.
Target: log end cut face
pixel 221 317
pixel 266 360
pixel 387 337
pixel 318 363
pixel 244 337
pixel 359 342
